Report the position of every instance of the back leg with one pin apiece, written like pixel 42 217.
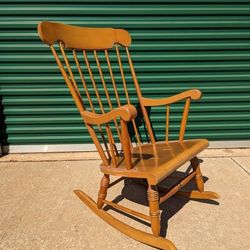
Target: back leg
pixel 200 193
pixel 103 190
pixel 198 177
pixel 154 212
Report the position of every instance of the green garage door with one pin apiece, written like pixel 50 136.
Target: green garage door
pixel 177 45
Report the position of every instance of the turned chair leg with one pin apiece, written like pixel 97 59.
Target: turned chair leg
pixel 154 212
pixel 198 177
pixel 103 190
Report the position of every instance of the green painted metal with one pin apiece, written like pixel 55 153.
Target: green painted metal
pixel 177 45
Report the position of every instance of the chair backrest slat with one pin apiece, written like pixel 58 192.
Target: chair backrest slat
pixel 105 159
pixel 102 79
pixel 112 146
pixel 126 145
pixel 93 81
pixel 99 98
pixel 79 103
pixel 126 91
pixel 138 90
pixel 83 81
pixel 184 118
pixel 112 77
pixel 105 89
pixel 89 99
pixel 75 94
pixel 122 73
pixel 72 78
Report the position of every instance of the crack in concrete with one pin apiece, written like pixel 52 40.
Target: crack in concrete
pixel 239 165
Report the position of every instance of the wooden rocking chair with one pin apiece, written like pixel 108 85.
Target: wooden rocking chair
pixel 77 52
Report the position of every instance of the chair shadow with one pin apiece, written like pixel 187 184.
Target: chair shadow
pixel 135 190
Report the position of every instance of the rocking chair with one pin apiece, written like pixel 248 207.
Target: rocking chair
pixel 105 106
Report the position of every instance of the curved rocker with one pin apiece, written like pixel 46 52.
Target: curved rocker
pixel 134 233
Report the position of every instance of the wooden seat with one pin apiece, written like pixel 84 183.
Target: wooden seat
pixel 156 161
pixel 97 67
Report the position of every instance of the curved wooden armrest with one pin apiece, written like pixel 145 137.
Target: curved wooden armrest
pixel 126 112
pixel 194 94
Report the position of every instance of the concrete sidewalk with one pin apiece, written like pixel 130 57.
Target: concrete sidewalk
pixel 39 210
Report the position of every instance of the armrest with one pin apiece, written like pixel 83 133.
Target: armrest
pixel 194 94
pixel 126 112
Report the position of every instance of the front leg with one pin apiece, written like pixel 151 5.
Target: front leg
pixel 154 212
pixel 103 190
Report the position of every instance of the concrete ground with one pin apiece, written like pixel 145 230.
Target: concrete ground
pixel 38 209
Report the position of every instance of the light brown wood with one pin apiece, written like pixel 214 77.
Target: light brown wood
pixel 112 77
pixel 169 157
pixel 122 73
pixel 194 94
pixel 126 112
pixel 99 148
pixel 127 210
pixel 138 90
pixel 83 81
pixel 82 38
pixel 88 96
pixel 112 148
pixel 194 194
pixel 107 94
pixel 98 98
pixel 184 119
pixel 152 162
pixel 93 81
pixel 154 211
pixel 69 69
pixel 177 187
pixel 103 191
pixel 126 91
pixel 134 233
pixel 75 94
pixel 126 145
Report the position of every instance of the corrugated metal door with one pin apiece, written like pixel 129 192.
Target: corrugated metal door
pixel 177 45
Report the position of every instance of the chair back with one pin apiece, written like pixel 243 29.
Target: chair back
pixel 97 68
